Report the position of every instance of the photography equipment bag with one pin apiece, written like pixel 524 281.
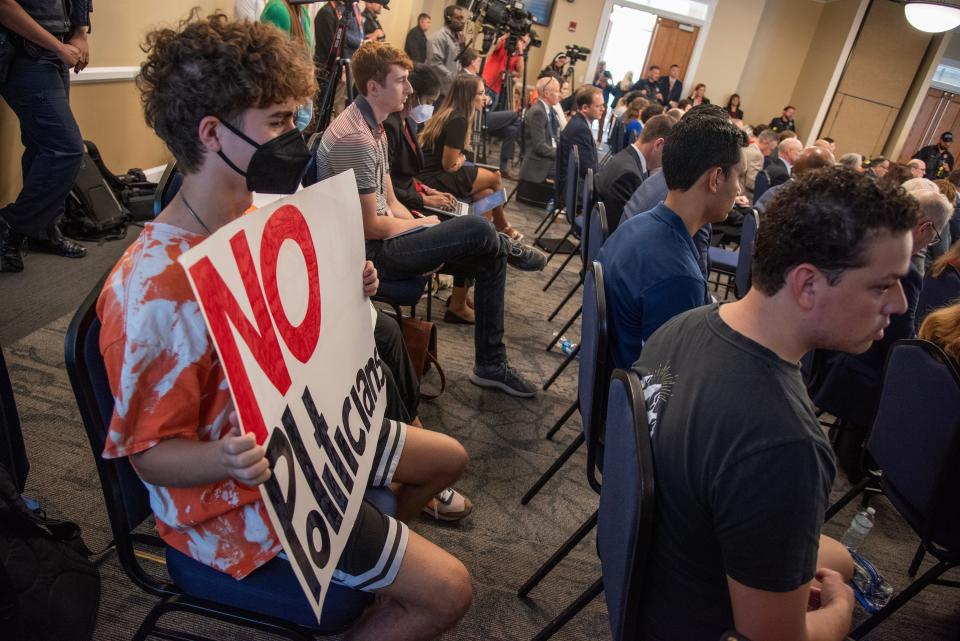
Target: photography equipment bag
pixel 49 588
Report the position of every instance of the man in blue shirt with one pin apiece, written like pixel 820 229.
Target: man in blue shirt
pixel 651 268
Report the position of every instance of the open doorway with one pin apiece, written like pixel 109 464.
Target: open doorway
pixel 627 41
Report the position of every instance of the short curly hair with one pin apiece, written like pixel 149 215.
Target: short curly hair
pixel 828 218
pixel 216 66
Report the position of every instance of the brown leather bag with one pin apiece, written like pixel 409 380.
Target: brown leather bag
pixel 420 337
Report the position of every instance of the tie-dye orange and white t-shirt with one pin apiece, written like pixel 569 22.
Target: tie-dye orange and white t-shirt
pixel 167 382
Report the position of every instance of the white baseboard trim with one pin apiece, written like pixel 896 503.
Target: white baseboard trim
pixel 104 74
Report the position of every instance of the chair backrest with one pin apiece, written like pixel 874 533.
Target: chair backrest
pixel 760 185
pixel 748 234
pixel 594 373
pixel 616 138
pixel 13 453
pixel 587 192
pixel 310 175
pixel 572 184
pixel 595 233
pixel 915 439
pixel 127 501
pixel 625 525
pixel 167 188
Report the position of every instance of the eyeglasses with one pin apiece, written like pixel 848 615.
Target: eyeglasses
pixel 936 237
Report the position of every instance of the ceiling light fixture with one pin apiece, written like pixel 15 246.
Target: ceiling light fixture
pixel 932 16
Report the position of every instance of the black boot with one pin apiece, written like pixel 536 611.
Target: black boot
pixel 12 249
pixel 55 243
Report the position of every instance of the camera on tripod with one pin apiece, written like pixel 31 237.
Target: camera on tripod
pixel 497 17
pixel 576 52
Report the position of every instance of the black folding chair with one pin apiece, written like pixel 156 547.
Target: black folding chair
pixel 570 197
pixel 128 506
pixel 625 518
pixel 915 440
pixel 595 235
pixel 167 188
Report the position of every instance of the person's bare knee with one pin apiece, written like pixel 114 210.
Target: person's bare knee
pixel 834 555
pixel 432 587
pixel 430 458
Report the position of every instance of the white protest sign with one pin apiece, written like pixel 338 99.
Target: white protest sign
pixel 282 295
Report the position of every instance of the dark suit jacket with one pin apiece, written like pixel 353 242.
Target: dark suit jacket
pixel 616 182
pixel 539 155
pixel 577 132
pixel 676 95
pixel 406 160
pixel 416 44
pixel 777 171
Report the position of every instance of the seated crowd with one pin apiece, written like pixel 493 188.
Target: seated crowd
pixel 845 263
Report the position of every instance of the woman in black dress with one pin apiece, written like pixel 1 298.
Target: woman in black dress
pixel 444 140
pixel 733 107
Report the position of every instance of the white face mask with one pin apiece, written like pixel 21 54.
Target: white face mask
pixel 421 113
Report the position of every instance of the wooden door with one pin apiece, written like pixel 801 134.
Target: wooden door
pixel 939 112
pixel 672 44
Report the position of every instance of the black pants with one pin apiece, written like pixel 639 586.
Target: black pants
pixel 38 90
pixel 403 384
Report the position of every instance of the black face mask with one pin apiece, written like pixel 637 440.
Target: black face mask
pixel 277 166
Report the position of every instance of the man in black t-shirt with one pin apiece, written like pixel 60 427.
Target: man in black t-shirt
pixel 784 122
pixel 742 487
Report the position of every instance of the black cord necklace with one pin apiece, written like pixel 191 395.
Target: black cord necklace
pixel 192 211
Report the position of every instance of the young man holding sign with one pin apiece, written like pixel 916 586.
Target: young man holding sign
pixel 223 96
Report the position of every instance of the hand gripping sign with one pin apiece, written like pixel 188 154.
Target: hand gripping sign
pixel 282 296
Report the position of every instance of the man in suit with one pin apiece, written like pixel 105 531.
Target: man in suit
pixel 785 121
pixel 671 88
pixel 623 173
pixel 416 42
pixel 810 158
pixel 541 133
pixel 782 166
pixel 578 132
pixel 755 154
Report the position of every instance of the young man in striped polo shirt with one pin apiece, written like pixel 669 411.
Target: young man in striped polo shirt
pixel 403 244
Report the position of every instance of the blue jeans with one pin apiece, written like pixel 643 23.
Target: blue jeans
pixel 37 89
pixel 468 247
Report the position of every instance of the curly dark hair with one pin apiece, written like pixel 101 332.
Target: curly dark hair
pixel 828 217
pixel 216 66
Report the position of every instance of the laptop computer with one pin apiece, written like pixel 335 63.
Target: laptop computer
pixel 478 208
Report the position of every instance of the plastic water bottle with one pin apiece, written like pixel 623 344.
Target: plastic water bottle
pixel 566 346
pixel 859 528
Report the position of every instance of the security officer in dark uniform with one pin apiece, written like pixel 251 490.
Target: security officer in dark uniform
pixel 40 41
pixel 937 158
pixel 785 121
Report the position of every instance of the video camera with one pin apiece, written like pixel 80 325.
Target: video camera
pixel 497 17
pixel 576 52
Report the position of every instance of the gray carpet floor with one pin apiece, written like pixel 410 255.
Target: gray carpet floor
pixel 501 543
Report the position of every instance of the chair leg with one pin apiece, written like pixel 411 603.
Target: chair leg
pixel 150 622
pixel 560 269
pixel 565 327
pixel 846 498
pixel 917 560
pixel 571 611
pixel 549 219
pixel 569 359
pixel 553 469
pixel 563 419
pixel 566 299
pixel 559 245
pixel 512 192
pixel 911 590
pixel 559 555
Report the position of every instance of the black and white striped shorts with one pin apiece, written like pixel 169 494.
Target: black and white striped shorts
pixel 377 543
